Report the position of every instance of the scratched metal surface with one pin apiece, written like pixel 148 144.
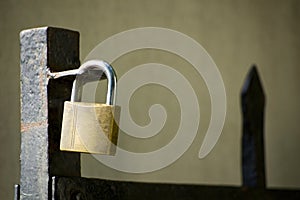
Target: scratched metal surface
pixel 44 49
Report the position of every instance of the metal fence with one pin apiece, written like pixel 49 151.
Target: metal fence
pixel 48 173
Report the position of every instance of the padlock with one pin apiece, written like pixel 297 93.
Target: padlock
pixel 91 127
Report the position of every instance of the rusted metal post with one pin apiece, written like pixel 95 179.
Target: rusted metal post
pixel 253 106
pixel 42 50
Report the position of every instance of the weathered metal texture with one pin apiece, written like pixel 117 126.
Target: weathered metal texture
pixel 44 49
pixel 253 106
pixel 69 188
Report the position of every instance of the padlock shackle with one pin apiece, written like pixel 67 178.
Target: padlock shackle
pixel 100 66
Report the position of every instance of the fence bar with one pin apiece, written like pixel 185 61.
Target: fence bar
pixel 17 192
pixel 253 106
pixel 69 188
pixel 42 50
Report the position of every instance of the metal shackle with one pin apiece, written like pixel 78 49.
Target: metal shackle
pixel 101 67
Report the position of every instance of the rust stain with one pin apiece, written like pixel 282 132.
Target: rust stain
pixel 27 126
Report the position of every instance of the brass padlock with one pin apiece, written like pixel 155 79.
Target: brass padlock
pixel 91 127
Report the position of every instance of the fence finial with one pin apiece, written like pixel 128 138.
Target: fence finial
pixel 253 104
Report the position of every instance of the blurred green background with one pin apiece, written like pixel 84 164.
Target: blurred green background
pixel 235 33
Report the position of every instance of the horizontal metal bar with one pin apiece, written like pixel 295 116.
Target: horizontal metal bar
pixel 86 188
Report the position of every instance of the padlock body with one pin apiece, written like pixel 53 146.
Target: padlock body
pixel 90 128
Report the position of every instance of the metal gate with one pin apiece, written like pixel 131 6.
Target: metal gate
pixel 48 173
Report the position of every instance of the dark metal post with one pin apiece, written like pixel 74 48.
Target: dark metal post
pixel 42 50
pixel 253 104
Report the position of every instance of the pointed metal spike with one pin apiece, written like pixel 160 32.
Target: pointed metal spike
pixel 253 103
